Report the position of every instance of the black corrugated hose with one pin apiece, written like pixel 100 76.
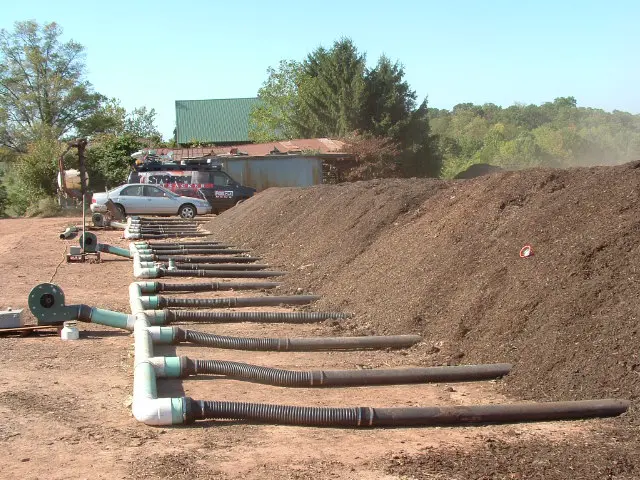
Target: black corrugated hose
pixel 220 266
pixel 201 251
pixel 187 246
pixel 343 378
pixel 403 416
pixel 232 302
pixel 264 317
pixel 217 259
pixel 213 286
pixel 171 235
pixel 165 272
pixel 293 344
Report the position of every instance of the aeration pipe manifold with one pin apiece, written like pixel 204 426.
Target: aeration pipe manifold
pixel 47 301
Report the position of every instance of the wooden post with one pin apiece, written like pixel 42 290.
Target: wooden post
pixel 81 144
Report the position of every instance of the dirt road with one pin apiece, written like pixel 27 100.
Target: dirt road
pixel 65 406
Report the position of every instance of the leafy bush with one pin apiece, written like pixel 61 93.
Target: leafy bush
pixel 33 176
pixel 373 157
pixel 109 159
pixel 45 207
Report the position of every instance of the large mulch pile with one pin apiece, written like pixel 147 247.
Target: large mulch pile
pixel 596 458
pixel 442 259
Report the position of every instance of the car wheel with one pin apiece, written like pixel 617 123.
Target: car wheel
pixel 187 211
pixel 121 210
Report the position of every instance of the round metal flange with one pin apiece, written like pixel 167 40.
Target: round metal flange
pixel 46 302
pixel 98 219
pixel 89 242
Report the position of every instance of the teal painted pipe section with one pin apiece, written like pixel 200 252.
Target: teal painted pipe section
pixel 156 317
pixel 177 410
pixel 172 367
pixel 148 287
pixel 109 318
pixel 121 252
pixel 151 302
pixel 165 335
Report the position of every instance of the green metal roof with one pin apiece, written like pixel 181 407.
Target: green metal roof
pixel 213 121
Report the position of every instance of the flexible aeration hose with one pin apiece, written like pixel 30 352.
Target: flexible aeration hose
pixel 203 251
pixel 173 246
pixel 343 378
pixel 164 227
pixel 171 235
pixel 168 231
pixel 165 231
pixel 178 244
pixel 220 266
pixel 167 220
pixel 401 417
pixel 213 286
pixel 165 272
pixel 312 344
pixel 232 302
pixel 262 317
pixel 191 248
pixel 219 259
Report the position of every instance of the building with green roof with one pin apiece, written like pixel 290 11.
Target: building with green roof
pixel 218 121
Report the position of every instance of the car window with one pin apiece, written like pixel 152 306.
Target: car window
pixel 132 191
pixel 153 192
pixel 220 179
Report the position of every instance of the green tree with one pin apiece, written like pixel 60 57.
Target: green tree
pixel 109 159
pixel 140 123
pixel 109 118
pixel 274 117
pixel 42 84
pixel 387 100
pixel 318 97
pixel 112 118
pixel 331 89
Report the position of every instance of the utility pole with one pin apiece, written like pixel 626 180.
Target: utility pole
pixel 81 145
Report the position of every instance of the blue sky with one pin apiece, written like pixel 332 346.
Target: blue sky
pixel 155 52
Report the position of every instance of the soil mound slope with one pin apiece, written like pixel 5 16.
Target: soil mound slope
pixel 442 259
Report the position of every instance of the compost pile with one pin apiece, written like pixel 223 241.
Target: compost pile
pixel 441 258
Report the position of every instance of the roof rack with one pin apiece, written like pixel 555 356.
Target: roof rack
pixel 198 164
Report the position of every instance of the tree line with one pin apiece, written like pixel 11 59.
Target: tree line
pixel 554 134
pixel 331 93
pixel 45 101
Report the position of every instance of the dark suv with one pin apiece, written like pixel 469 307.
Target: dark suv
pixel 193 178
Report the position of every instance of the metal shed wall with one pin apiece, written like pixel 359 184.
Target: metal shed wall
pixel 276 171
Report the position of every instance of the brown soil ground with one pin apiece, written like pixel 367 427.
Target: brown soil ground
pixel 442 259
pixel 65 406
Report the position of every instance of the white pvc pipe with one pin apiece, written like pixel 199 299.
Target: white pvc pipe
pixel 146 405
pixel 143 271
